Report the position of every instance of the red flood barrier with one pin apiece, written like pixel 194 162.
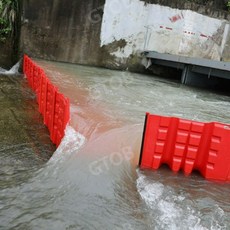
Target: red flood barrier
pixel 186 145
pixel 54 106
pixel 61 117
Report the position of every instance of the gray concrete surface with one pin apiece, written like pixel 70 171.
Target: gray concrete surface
pixel 24 140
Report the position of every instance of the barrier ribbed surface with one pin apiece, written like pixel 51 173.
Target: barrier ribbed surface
pixel 186 145
pixel 53 105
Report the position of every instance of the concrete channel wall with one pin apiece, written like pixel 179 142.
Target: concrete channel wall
pixel 67 31
pixel 6 54
pixel 163 29
pixel 112 33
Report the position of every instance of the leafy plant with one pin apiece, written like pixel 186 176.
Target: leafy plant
pixel 228 5
pixel 8 17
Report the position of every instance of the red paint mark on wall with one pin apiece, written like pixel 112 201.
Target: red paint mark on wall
pixel 203 35
pixel 188 32
pixel 176 18
pixel 166 28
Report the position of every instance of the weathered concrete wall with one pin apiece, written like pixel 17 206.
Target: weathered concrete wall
pixel 67 31
pixel 112 33
pixel 6 54
pixel 143 26
pixel 212 8
pixel 226 51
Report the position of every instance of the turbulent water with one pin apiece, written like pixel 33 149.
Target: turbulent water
pixel 92 180
pixel 12 71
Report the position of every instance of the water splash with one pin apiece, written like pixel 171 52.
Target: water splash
pixel 2 71
pixel 172 211
pixel 14 69
pixel 70 144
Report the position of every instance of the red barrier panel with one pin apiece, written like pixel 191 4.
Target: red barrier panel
pixel 36 78
pixel 50 106
pixel 187 145
pixel 43 94
pixel 61 118
pixel 54 107
pixel 37 84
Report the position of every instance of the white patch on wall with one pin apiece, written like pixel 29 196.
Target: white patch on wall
pixel 162 29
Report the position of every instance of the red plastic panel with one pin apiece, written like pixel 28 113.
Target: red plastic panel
pixel 61 118
pixel 37 72
pixel 54 107
pixel 43 94
pixel 50 106
pixel 187 145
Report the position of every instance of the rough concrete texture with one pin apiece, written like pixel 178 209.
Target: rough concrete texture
pixel 67 31
pixel 24 140
pixel 144 26
pixel 72 31
pixel 6 54
pixel 212 8
pixel 226 53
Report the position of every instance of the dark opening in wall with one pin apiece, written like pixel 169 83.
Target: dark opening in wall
pixel 165 72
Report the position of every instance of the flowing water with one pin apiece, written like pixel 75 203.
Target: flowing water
pixel 92 180
pixel 24 140
pixel 12 71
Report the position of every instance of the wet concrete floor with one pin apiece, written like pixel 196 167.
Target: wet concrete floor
pixel 24 140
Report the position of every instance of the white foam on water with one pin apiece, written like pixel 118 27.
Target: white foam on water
pixel 169 209
pixel 149 192
pixel 70 144
pixel 13 70
pixel 2 71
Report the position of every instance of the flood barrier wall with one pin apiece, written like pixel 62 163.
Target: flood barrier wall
pixel 53 105
pixel 186 145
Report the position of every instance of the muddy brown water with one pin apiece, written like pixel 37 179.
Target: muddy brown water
pixel 92 180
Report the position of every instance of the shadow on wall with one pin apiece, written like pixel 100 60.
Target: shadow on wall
pixel 6 54
pixel 197 5
pixel 213 83
pixel 67 32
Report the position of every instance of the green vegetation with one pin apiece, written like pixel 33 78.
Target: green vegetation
pixel 8 18
pixel 228 5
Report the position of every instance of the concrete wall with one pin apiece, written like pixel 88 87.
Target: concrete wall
pixel 212 8
pixel 143 26
pixel 67 31
pixel 112 33
pixel 6 54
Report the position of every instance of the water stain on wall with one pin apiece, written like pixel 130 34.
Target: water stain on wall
pixel 72 31
pixel 62 31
